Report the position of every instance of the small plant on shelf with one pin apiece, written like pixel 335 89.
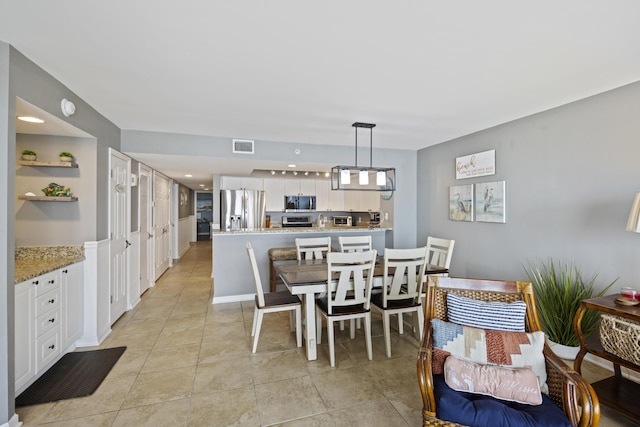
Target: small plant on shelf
pixel 56 190
pixel 29 155
pixel 65 156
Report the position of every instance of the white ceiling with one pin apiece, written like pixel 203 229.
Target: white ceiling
pixel 424 71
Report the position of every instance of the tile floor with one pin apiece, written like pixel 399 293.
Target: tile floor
pixel 188 363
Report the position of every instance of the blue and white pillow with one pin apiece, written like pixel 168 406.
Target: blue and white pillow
pixel 502 316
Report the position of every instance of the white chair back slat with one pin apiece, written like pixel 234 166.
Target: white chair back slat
pixel 355 278
pixel 312 248
pixel 354 243
pixel 408 277
pixel 256 275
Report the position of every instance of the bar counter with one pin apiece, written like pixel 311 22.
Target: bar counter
pixel 231 273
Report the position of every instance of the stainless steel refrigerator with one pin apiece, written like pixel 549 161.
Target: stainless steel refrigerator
pixel 242 209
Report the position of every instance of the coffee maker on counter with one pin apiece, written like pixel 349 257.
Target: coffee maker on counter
pixel 374 220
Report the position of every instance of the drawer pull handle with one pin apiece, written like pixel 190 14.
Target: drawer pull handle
pixel 65 271
pixel 36 282
pixel 51 301
pixel 52 281
pixel 52 346
pixel 52 320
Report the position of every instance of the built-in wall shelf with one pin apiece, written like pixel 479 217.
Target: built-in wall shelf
pixel 49 198
pixel 49 164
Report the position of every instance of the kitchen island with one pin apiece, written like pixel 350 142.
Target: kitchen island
pixel 232 276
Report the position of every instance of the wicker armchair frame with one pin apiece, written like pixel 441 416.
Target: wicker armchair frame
pixel 567 388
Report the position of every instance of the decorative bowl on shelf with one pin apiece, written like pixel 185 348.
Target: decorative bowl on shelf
pixel 66 156
pixel 56 190
pixel 29 157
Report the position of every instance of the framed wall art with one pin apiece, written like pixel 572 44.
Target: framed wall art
pixel 461 202
pixel 490 202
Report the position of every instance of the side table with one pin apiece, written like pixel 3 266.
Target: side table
pixel 616 391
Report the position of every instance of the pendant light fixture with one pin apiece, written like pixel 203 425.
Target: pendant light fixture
pixel 369 178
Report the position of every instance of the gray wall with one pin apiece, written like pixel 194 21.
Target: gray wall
pixel 19 77
pixel 571 174
pixel 404 212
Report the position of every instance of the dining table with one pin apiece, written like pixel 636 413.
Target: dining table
pixel 307 278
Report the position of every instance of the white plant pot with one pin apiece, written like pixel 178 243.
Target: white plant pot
pixel 563 351
pixel 29 157
pixel 65 159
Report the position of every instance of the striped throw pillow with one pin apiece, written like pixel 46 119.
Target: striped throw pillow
pixel 501 316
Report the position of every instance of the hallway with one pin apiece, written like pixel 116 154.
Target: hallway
pixel 188 363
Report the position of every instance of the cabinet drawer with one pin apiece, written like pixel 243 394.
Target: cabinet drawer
pixel 46 282
pixel 47 302
pixel 48 321
pixel 47 348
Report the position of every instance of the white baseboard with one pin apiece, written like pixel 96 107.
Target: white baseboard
pixel 13 422
pixel 233 298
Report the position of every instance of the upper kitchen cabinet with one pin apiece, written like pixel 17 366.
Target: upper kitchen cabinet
pixel 274 192
pixel 299 187
pixel 361 201
pixel 239 182
pixel 327 199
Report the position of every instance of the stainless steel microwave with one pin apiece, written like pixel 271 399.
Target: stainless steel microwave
pixel 299 203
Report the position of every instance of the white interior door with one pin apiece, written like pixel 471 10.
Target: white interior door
pixel 161 222
pixel 119 226
pixel 145 192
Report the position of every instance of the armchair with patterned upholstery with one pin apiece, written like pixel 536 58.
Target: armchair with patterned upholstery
pixel 570 400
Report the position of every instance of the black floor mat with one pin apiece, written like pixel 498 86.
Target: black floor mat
pixel 76 374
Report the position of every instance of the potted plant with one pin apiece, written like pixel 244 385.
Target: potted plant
pixel 65 156
pixel 559 289
pixel 29 155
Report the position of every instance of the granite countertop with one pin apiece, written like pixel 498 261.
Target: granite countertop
pixel 33 261
pixel 313 229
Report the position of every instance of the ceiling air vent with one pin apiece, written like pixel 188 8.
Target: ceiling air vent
pixel 244 146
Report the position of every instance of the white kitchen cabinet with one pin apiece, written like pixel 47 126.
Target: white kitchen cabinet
pixel 274 192
pixel 24 334
pixel 327 199
pixel 300 187
pixel 240 182
pixel 362 201
pixel 72 296
pixel 48 321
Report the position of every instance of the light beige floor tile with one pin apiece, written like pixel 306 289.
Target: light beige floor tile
pixel 186 322
pixel 176 337
pixel 143 326
pixel 100 420
pixel 224 374
pixel 321 420
pixel 409 406
pixel 161 386
pixel 107 398
pixel 31 415
pixel 269 367
pixel 288 400
pixel 342 388
pixel 162 358
pixel 129 363
pixel 213 350
pixel 229 408
pixel 391 376
pixel 374 413
pixel 165 414
pixel 135 341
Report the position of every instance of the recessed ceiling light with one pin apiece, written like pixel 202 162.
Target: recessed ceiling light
pixel 295 172
pixel 306 173
pixel 201 185
pixel 284 172
pixel 326 174
pixel 30 119
pixel 189 175
pixel 291 166
pixel 273 172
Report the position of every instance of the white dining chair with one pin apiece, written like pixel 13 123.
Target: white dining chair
pixel 401 290
pixel 439 252
pixel 272 302
pixel 354 243
pixel 312 247
pixel 348 297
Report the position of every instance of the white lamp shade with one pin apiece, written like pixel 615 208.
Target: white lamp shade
pixel 381 178
pixel 363 177
pixel 345 176
pixel 633 224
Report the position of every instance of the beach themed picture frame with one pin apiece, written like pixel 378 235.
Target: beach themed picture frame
pixel 461 202
pixel 490 202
